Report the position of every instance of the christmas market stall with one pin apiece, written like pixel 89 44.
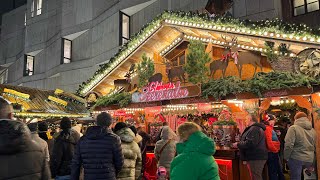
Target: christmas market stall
pixel 30 103
pixel 185 67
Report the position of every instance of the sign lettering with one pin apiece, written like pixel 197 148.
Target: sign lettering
pixel 156 91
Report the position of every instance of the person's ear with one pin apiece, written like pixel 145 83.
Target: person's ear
pixel 10 115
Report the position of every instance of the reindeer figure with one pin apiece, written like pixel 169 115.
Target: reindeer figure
pixel 222 63
pixel 244 57
pixel 173 72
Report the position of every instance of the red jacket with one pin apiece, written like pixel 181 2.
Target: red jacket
pixel 272 146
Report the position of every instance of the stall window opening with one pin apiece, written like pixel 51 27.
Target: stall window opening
pixel 179 60
pixel 305 6
pixel 67 51
pixel 28 65
pixel 124 28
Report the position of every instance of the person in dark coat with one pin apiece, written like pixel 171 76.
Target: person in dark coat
pixel 35 137
pixel 145 140
pixel 252 146
pixel 20 157
pixel 99 152
pixel 63 150
pixel 42 131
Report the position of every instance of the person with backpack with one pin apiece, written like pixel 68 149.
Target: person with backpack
pixel 300 146
pixel 195 155
pixel 63 150
pixel 165 150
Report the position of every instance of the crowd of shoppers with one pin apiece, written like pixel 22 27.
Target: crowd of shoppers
pixel 29 152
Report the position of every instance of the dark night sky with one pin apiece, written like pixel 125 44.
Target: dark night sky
pixel 7 5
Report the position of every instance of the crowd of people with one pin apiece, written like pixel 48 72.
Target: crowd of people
pixel 108 151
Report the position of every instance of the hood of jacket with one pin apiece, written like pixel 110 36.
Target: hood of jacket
pixel 167 133
pixel 260 125
pixel 138 138
pixel 14 136
pixel 304 123
pixel 126 135
pixel 97 132
pixel 68 135
pixel 197 142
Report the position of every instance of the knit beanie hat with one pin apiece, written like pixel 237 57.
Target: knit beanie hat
pixel 33 127
pixel 300 115
pixel 104 119
pixel 119 126
pixel 65 123
pixel 43 126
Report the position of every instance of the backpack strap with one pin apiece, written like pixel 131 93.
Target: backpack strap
pixel 160 152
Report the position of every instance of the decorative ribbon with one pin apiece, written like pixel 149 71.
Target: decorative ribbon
pixel 235 57
pixel 225 57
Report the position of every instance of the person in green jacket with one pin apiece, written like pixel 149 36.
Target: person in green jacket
pixel 195 159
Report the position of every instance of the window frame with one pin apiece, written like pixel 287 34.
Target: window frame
pixel 121 38
pixel 39 10
pixel 25 73
pixel 32 8
pixel 63 53
pixel 305 5
pixel 177 58
pixel 4 76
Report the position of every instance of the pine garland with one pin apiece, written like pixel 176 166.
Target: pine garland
pixel 122 99
pixel 261 82
pixel 197 59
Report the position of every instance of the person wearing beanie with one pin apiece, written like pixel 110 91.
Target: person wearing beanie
pixel 273 146
pixel 99 152
pixel 132 155
pixel 35 137
pixel 63 150
pixel 42 130
pixel 300 145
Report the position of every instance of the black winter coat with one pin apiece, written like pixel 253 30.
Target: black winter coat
pixel 20 157
pixel 63 151
pixel 253 143
pixel 100 154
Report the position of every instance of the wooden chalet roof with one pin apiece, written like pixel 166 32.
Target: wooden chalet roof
pixel 170 29
pixel 38 101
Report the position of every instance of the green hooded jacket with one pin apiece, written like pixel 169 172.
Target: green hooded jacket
pixel 195 159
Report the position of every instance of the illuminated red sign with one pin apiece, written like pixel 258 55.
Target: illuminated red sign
pixel 156 91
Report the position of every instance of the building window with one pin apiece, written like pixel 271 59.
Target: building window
pixel 39 6
pixel 25 19
pixel 305 6
pixel 124 28
pixel 4 77
pixel 28 65
pixel 32 8
pixel 67 51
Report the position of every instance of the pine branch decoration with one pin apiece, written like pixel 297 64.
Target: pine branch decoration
pixel 197 59
pixel 145 70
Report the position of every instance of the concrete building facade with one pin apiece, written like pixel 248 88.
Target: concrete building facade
pixel 50 44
